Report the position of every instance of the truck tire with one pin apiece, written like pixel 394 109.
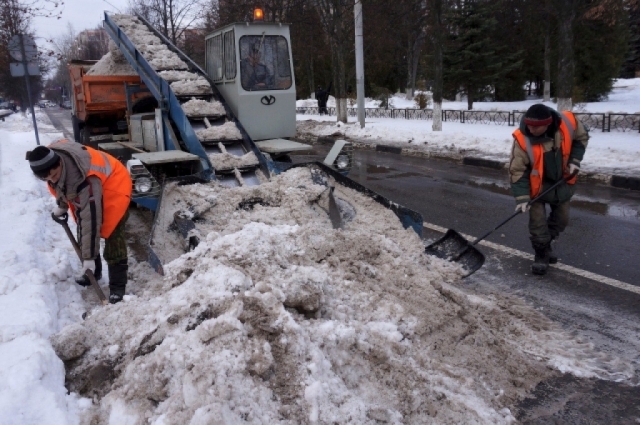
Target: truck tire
pixel 144 104
pixel 77 128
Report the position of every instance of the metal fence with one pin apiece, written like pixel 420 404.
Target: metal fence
pixel 601 121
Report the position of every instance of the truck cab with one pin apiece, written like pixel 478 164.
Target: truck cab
pixel 252 67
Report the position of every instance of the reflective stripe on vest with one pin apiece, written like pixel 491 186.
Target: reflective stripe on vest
pixel 536 152
pixel 106 170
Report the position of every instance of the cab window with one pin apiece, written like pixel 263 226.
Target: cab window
pixel 264 63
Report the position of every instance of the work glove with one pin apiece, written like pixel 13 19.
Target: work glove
pixel 88 265
pixel 58 212
pixel 573 168
pixel 523 207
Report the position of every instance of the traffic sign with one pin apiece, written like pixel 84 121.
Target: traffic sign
pixel 17 69
pixel 30 47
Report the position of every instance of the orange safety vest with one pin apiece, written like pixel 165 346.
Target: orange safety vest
pixel 116 188
pixel 536 152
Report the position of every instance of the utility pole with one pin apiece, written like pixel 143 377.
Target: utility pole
pixel 357 14
pixel 26 79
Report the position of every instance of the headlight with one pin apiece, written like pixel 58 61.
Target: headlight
pixel 143 184
pixel 342 162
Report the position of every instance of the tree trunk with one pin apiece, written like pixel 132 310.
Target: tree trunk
pixel 336 19
pixel 437 58
pixel 547 66
pixel 437 116
pixel 566 64
pixel 412 63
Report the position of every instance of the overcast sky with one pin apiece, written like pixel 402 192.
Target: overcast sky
pixel 82 14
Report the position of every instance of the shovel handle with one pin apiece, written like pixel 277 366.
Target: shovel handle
pixel 62 220
pixel 537 198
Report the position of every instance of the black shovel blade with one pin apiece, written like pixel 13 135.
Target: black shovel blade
pixel 453 247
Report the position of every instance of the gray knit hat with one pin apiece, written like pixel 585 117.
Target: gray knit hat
pixel 42 159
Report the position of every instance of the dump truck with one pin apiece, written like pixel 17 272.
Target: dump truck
pixel 228 126
pixel 99 103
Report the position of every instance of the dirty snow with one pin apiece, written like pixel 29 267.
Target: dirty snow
pixel 107 65
pixel 226 131
pixel 199 108
pixel 275 317
pixel 157 54
pixel 196 87
pixel 227 161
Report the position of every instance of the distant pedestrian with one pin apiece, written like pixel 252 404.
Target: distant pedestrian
pixel 322 96
pixel 96 187
pixel 547 147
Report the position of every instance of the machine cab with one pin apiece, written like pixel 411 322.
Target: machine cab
pixel 252 67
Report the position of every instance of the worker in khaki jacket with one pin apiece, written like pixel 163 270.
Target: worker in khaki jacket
pixel 548 146
pixel 96 187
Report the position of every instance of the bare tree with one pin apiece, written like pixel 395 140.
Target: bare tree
pixel 171 17
pixel 15 18
pixel 413 21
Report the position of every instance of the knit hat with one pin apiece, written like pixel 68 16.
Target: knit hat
pixel 538 115
pixel 42 159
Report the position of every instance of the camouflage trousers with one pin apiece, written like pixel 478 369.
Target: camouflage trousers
pixel 543 229
pixel 115 246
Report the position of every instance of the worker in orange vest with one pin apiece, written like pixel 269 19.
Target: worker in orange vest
pixel 548 146
pixel 96 187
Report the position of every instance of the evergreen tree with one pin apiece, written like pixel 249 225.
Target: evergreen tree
pixel 474 60
pixel 601 42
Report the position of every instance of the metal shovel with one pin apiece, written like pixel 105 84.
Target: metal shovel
pixel 62 220
pixel 454 247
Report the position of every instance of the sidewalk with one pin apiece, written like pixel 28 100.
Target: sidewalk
pixel 614 180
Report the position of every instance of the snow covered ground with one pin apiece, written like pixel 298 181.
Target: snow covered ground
pixel 608 153
pixel 275 317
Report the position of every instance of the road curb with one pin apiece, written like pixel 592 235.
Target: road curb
pixel 623 182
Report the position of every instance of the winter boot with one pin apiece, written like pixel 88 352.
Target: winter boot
pixel 84 280
pixel 541 262
pixel 117 281
pixel 553 256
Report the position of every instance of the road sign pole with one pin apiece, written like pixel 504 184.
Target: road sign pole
pixel 26 79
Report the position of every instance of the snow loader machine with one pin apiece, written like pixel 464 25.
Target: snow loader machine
pixel 230 124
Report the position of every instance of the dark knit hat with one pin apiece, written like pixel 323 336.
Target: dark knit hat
pixel 538 115
pixel 42 159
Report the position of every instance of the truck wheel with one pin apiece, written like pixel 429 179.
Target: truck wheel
pixel 144 104
pixel 77 128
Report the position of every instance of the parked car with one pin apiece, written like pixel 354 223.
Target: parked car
pixel 66 104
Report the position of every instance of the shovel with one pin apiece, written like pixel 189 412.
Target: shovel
pixel 454 247
pixel 62 220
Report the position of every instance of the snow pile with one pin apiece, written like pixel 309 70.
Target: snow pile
pixel 157 54
pixel 277 318
pixel 226 131
pixel 202 108
pixel 197 87
pixel 227 161
pixel 110 65
pixel 172 76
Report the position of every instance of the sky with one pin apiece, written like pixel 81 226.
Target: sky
pixel 275 318
pixel 82 14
